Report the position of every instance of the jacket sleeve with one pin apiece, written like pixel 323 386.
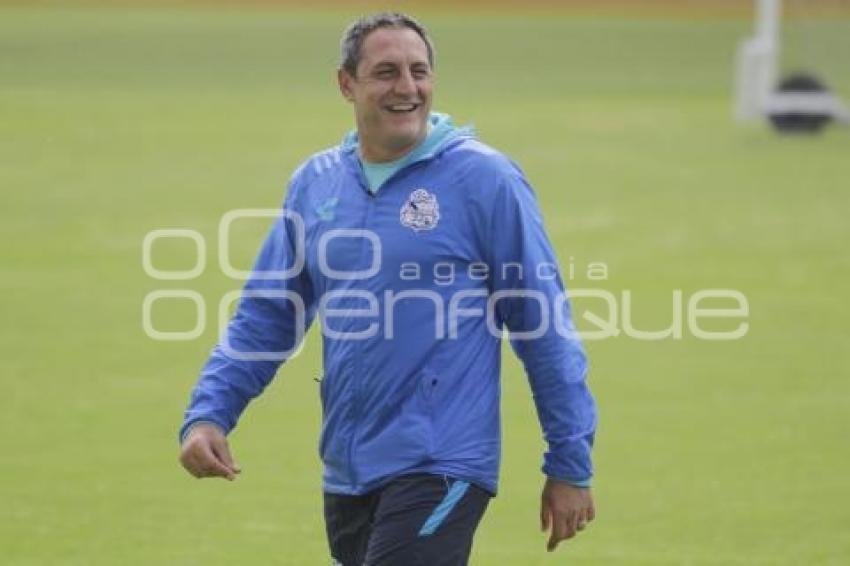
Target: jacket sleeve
pixel 529 299
pixel 271 318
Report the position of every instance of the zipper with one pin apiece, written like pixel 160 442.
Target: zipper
pixel 357 369
pixel 357 373
pixel 361 178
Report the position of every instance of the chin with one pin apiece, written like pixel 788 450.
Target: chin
pixel 404 137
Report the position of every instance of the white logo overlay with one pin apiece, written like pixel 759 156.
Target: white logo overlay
pixel 421 211
pixel 705 314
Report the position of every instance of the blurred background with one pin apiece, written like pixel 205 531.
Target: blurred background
pixel 119 118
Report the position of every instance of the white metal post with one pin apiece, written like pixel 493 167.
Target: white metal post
pixel 767 20
pixel 757 62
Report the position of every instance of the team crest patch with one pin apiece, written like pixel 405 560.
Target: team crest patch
pixel 421 211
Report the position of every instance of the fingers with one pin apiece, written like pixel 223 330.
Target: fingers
pixel 190 463
pixel 563 527
pixel 212 466
pixel 222 453
pixel 581 522
pixel 572 524
pixel 545 516
pixel 566 510
pixel 202 463
pixel 208 457
pixel 586 516
pixel 552 544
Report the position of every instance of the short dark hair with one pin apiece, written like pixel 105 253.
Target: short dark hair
pixel 355 34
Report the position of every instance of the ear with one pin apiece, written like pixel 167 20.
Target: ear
pixel 345 80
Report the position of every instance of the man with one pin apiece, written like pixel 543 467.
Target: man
pixel 416 244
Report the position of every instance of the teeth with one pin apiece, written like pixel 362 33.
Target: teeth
pixel 402 107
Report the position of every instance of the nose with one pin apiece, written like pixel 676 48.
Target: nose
pixel 405 83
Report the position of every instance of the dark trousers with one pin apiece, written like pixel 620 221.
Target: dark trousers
pixel 414 520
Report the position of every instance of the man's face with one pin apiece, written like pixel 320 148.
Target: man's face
pixel 391 92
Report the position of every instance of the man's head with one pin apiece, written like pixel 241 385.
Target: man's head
pixel 387 73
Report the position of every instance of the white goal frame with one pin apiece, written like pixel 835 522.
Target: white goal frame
pixel 757 73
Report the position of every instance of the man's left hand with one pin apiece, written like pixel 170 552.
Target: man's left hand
pixel 565 509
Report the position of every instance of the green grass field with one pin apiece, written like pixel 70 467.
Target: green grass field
pixel 116 121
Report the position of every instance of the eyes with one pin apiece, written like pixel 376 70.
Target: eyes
pixel 392 73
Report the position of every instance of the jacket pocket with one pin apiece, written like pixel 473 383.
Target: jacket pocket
pixel 430 394
pixel 429 382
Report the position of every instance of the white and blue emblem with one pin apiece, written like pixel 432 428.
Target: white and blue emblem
pixel 420 211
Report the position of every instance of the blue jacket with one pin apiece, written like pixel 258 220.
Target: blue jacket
pixel 413 286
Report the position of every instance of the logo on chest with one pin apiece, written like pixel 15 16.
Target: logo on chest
pixel 420 211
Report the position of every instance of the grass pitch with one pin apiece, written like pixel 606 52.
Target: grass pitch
pixel 115 121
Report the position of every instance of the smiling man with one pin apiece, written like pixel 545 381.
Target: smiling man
pixel 410 395
pixel 390 86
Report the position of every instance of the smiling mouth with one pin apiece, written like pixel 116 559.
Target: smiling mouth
pixel 404 108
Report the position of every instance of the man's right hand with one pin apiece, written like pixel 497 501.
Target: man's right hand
pixel 205 453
